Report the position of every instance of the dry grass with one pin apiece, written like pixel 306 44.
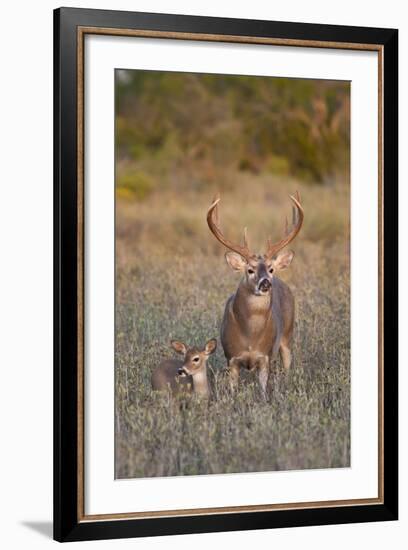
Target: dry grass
pixel 172 282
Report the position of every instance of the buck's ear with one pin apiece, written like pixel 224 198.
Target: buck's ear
pixel 211 346
pixel 283 260
pixel 235 261
pixel 179 346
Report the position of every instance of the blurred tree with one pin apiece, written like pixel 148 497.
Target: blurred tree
pixel 201 127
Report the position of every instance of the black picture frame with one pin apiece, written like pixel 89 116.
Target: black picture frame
pixel 67 523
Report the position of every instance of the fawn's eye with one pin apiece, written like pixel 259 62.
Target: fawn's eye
pixel 251 271
pixel 271 270
pixel 196 359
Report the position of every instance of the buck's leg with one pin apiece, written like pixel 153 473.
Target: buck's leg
pixel 263 374
pixel 233 367
pixel 287 334
pixel 286 355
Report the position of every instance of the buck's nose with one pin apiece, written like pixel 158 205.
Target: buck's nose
pixel 264 285
pixel 181 371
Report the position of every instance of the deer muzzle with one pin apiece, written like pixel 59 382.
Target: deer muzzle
pixel 264 285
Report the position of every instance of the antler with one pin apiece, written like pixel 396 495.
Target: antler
pixel 213 224
pixel 290 234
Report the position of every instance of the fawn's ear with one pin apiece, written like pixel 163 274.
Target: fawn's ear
pixel 283 260
pixel 179 346
pixel 235 261
pixel 210 346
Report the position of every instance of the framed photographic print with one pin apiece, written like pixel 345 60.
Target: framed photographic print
pixel 225 274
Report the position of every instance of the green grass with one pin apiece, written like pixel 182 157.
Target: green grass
pixel 172 282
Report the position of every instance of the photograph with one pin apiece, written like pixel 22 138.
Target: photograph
pixel 232 274
pixel 225 274
pixel 204 259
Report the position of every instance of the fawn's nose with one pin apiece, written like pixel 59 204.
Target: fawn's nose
pixel 181 371
pixel 264 284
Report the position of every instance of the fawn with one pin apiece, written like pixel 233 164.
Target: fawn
pixel 187 375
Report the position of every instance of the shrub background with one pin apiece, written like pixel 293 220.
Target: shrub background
pixel 195 129
pixel 180 138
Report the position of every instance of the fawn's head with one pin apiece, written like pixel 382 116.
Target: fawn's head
pixel 258 269
pixel 194 359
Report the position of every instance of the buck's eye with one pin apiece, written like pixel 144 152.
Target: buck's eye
pixel 251 271
pixel 271 270
pixel 196 359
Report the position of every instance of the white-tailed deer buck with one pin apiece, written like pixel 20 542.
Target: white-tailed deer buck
pixel 187 375
pixel 258 319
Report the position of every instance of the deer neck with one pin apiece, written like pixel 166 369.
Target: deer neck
pixel 200 383
pixel 247 305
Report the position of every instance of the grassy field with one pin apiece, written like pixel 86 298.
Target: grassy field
pixel 172 282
